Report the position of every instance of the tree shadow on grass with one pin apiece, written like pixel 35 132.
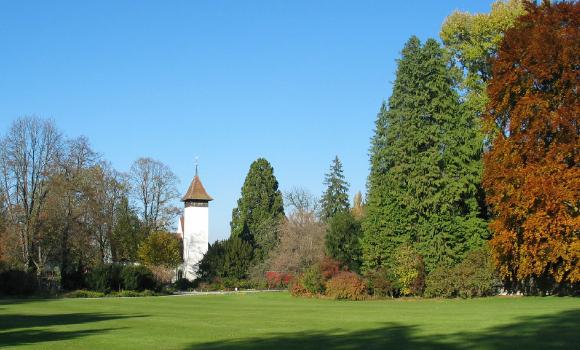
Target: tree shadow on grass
pixel 559 331
pixel 16 329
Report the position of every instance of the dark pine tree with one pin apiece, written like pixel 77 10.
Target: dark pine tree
pixel 425 166
pixel 260 208
pixel 335 198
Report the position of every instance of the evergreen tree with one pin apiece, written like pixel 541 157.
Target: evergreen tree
pixel 260 207
pixel 342 240
pixel 237 258
pixel 335 198
pixel 229 258
pixel 425 166
pixel 211 264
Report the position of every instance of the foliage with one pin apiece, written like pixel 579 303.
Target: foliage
pixel 259 209
pixel 81 293
pixel 237 258
pixel 313 281
pixel 425 166
pixel 105 278
pixel 230 258
pixel 301 236
pixel 342 240
pixel 162 275
pixel 17 282
pixel 183 284
pixel 473 40
pixel 161 249
pixel 210 266
pixel 381 282
pixel 531 174
pixel 335 197
pixel 278 280
pixel 441 283
pixel 475 276
pixel 346 285
pixel 127 232
pixel 137 278
pixel 409 270
pixel 329 267
pixel 358 206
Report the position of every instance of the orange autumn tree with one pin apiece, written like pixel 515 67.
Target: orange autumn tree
pixel 532 169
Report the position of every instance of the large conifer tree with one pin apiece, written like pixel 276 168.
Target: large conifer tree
pixel 259 209
pixel 425 166
pixel 335 198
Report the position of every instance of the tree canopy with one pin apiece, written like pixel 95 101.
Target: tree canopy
pixel 532 178
pixel 473 40
pixel 425 166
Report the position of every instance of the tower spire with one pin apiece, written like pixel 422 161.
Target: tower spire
pixel 196 165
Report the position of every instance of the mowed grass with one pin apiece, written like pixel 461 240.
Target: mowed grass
pixel 279 321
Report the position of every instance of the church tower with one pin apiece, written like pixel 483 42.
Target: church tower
pixel 195 225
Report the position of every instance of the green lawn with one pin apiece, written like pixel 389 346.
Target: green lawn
pixel 279 321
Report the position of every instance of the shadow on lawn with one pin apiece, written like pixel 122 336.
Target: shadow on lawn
pixel 18 329
pixel 560 331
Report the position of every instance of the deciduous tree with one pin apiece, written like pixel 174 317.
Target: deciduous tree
pixel 154 188
pixel 161 249
pixel 473 40
pixel 28 155
pixel 532 177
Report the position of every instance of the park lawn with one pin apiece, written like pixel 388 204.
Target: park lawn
pixel 279 321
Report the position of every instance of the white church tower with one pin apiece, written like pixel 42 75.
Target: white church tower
pixel 194 226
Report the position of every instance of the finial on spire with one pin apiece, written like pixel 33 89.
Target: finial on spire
pixel 196 164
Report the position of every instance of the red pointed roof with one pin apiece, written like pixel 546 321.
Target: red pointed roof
pixel 196 192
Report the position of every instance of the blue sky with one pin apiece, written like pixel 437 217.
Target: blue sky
pixel 296 82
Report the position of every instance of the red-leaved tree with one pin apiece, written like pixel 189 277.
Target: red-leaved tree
pixel 532 169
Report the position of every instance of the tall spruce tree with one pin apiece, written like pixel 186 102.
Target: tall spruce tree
pixel 425 166
pixel 260 207
pixel 335 198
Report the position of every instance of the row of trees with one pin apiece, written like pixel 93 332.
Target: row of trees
pixel 482 133
pixel 63 208
pixel 474 160
pixel 285 233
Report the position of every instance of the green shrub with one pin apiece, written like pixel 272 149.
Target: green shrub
pixel 105 278
pixel 125 294
pixel 84 294
pixel 183 284
pixel 313 280
pixel 138 278
pixel 475 275
pixel 409 270
pixel 17 282
pixel 346 285
pixel 380 282
pixel 440 283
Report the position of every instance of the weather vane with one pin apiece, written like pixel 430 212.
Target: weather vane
pixel 196 164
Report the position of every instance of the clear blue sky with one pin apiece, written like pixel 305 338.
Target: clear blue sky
pixel 296 82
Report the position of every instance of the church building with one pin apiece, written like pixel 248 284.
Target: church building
pixel 193 226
